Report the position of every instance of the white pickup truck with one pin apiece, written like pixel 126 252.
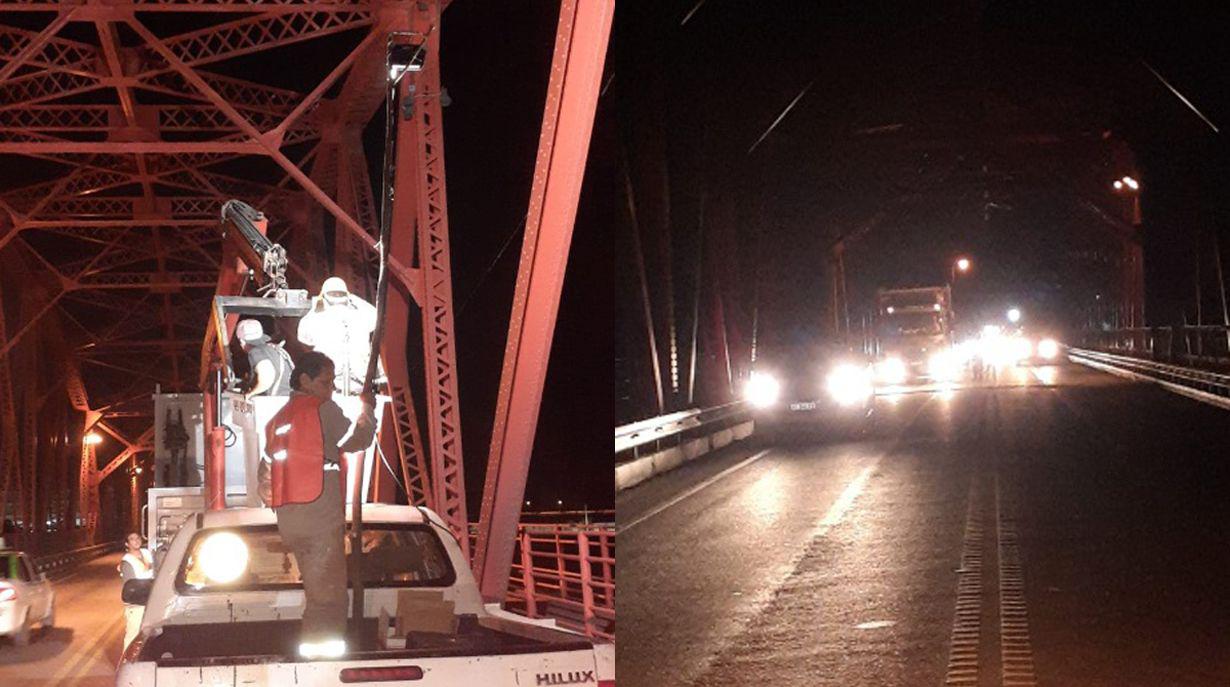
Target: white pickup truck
pixel 200 632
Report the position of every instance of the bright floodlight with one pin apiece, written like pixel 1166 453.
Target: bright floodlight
pixel 1014 315
pixel 963 264
pixel 762 390
pixel 223 557
pixel 849 384
pixel 92 439
pixel 1131 183
pixel 1048 349
pixel 1118 184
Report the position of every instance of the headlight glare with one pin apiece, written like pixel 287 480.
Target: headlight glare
pixel 849 384
pixel 1048 349
pixel 891 371
pixel 762 390
pixel 944 366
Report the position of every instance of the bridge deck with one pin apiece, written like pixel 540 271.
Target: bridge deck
pixel 1057 529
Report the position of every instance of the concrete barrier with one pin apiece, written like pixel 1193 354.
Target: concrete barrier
pixel 634 472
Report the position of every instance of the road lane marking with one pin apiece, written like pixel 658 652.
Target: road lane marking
pixel 82 660
pixel 658 509
pixel 966 622
pixel 760 601
pixel 1016 652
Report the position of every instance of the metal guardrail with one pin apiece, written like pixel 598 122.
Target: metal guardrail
pixel 632 437
pixel 57 564
pixel 1213 387
pixel 1190 345
pixel 565 572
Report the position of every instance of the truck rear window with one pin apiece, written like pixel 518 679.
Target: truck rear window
pixel 255 559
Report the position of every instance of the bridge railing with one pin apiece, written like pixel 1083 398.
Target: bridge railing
pixel 565 572
pixel 655 433
pixel 1202 346
pixel 58 564
pixel 1206 385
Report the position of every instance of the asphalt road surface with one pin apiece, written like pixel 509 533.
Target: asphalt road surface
pixel 84 647
pixel 1063 528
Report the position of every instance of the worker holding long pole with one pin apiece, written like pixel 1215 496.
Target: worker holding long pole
pixel 302 477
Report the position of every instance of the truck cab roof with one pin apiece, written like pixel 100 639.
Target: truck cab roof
pixel 372 512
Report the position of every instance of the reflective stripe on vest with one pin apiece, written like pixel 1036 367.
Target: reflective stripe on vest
pixel 293 440
pixel 142 567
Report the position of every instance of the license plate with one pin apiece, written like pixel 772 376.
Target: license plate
pixel 809 405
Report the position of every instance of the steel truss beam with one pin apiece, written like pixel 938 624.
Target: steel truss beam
pixel 568 117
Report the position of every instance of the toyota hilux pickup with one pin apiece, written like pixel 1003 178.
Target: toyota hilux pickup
pixel 226 603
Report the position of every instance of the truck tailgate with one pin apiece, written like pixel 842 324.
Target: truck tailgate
pixel 576 667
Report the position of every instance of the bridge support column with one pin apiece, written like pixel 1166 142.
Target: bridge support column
pixel 568 120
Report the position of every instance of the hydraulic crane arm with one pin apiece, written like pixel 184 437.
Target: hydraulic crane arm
pixel 240 228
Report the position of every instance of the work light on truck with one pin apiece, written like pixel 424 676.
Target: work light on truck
pixel 224 557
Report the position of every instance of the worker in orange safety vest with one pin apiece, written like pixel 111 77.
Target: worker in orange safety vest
pixel 302 478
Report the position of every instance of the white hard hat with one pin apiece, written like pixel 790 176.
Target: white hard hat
pixel 333 284
pixel 249 331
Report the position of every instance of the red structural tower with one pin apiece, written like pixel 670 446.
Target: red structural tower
pixel 123 128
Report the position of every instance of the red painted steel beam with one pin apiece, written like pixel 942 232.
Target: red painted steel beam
pixel 568 118
pixel 424 132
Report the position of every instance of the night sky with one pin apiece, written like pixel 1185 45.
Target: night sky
pixel 980 129
pixel 495 61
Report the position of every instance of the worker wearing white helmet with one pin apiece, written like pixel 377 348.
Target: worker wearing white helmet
pixel 340 325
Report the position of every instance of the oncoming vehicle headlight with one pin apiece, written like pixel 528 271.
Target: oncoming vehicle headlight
pixel 762 390
pixel 891 371
pixel 1048 349
pixel 849 384
pixel 1021 349
pixel 944 366
pixel 223 557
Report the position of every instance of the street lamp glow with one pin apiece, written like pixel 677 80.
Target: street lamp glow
pixel 1118 184
pixel 1014 315
pixel 1131 183
pixel 92 439
pixel 963 265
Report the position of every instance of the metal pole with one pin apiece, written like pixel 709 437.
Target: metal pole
pixel 700 262
pixel 1199 314
pixel 646 305
pixel 1221 289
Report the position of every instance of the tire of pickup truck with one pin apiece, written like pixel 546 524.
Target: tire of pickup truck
pixel 22 636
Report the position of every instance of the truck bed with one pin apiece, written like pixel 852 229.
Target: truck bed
pixel 276 641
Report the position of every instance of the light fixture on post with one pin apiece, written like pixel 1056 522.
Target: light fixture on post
pixel 404 57
pixel 92 439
